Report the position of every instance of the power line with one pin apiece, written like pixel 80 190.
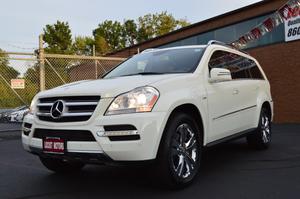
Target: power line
pixel 19 42
pixel 13 45
pixel 20 47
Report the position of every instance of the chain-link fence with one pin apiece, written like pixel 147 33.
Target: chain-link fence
pixel 61 69
pixel 23 75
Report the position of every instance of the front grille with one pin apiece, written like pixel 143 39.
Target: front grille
pixel 75 109
pixel 67 135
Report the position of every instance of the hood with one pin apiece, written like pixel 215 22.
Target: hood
pixel 107 88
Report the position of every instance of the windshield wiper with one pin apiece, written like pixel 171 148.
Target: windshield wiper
pixel 143 73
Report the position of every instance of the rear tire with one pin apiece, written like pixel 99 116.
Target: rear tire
pixel 261 137
pixel 180 152
pixel 61 166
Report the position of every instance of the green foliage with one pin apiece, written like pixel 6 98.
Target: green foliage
pixel 6 71
pixel 112 35
pixel 83 45
pixel 8 98
pixel 130 32
pixel 112 32
pixel 102 46
pixel 154 25
pixel 58 37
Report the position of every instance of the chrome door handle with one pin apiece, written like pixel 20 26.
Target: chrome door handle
pixel 235 92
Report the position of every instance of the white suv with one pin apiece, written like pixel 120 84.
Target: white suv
pixel 163 105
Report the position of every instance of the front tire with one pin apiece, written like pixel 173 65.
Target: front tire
pixel 261 138
pixel 180 151
pixel 61 166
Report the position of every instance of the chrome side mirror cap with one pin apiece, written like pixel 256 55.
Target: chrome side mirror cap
pixel 219 75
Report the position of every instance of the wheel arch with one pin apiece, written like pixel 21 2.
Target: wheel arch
pixel 267 105
pixel 189 109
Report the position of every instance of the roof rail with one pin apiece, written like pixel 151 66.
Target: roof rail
pixel 148 50
pixel 226 45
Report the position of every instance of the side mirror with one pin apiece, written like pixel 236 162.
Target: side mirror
pixel 219 75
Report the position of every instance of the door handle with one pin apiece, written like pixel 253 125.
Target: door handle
pixel 235 92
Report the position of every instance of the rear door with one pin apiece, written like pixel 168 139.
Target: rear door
pixel 246 75
pixel 231 104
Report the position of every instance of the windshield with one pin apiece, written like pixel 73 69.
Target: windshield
pixel 181 60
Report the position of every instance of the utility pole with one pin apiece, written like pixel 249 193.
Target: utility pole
pixel 42 63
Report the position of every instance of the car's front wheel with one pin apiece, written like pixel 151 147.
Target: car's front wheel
pixel 60 165
pixel 180 151
pixel 261 137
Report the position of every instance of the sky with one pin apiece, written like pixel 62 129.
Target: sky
pixel 23 20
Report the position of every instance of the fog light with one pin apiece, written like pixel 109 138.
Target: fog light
pixel 116 133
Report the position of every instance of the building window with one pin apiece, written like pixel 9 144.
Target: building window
pixel 232 32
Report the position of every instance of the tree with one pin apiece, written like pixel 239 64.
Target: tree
pixel 154 25
pixel 146 28
pixel 130 32
pixel 7 71
pixel 58 37
pixel 6 74
pixel 112 32
pixel 101 45
pixel 83 45
pixel 112 35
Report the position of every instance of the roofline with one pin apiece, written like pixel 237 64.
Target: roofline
pixel 193 25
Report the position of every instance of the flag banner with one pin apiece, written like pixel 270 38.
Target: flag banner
pixel 256 32
pixel 288 14
pixel 277 19
pixel 269 24
pixel 263 30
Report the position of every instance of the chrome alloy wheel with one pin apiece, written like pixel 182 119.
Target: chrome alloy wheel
pixel 265 128
pixel 184 154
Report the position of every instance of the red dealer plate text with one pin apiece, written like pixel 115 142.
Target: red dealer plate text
pixel 53 145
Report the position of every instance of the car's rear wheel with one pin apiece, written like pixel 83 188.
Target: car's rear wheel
pixel 261 138
pixel 60 165
pixel 180 151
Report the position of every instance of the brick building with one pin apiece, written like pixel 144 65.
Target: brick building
pixel 280 59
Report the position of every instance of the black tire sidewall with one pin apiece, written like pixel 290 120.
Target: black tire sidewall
pixel 256 139
pixel 165 160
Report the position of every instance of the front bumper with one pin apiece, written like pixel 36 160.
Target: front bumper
pixel 149 127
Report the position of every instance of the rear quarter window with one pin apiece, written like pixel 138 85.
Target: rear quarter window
pixel 239 66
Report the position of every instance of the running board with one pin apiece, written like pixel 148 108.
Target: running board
pixel 231 137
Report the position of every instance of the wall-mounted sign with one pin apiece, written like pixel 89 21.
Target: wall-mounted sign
pixel 17 83
pixel 292 25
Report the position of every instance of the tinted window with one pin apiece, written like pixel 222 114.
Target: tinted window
pixel 239 66
pixel 183 60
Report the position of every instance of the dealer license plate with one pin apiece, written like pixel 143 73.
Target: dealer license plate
pixel 53 145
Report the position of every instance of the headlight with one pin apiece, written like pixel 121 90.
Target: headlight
pixel 138 100
pixel 32 108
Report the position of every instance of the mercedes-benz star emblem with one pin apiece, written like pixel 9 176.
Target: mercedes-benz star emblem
pixel 57 109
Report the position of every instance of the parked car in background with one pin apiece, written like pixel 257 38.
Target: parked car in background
pixel 17 115
pixel 14 115
pixel 3 113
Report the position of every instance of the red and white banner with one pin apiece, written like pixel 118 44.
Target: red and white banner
pixel 288 13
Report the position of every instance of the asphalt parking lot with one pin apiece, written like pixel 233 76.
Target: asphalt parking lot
pixel 230 170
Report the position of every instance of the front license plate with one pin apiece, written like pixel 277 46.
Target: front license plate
pixel 53 145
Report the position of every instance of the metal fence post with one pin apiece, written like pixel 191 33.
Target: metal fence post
pixel 42 63
pixel 94 55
